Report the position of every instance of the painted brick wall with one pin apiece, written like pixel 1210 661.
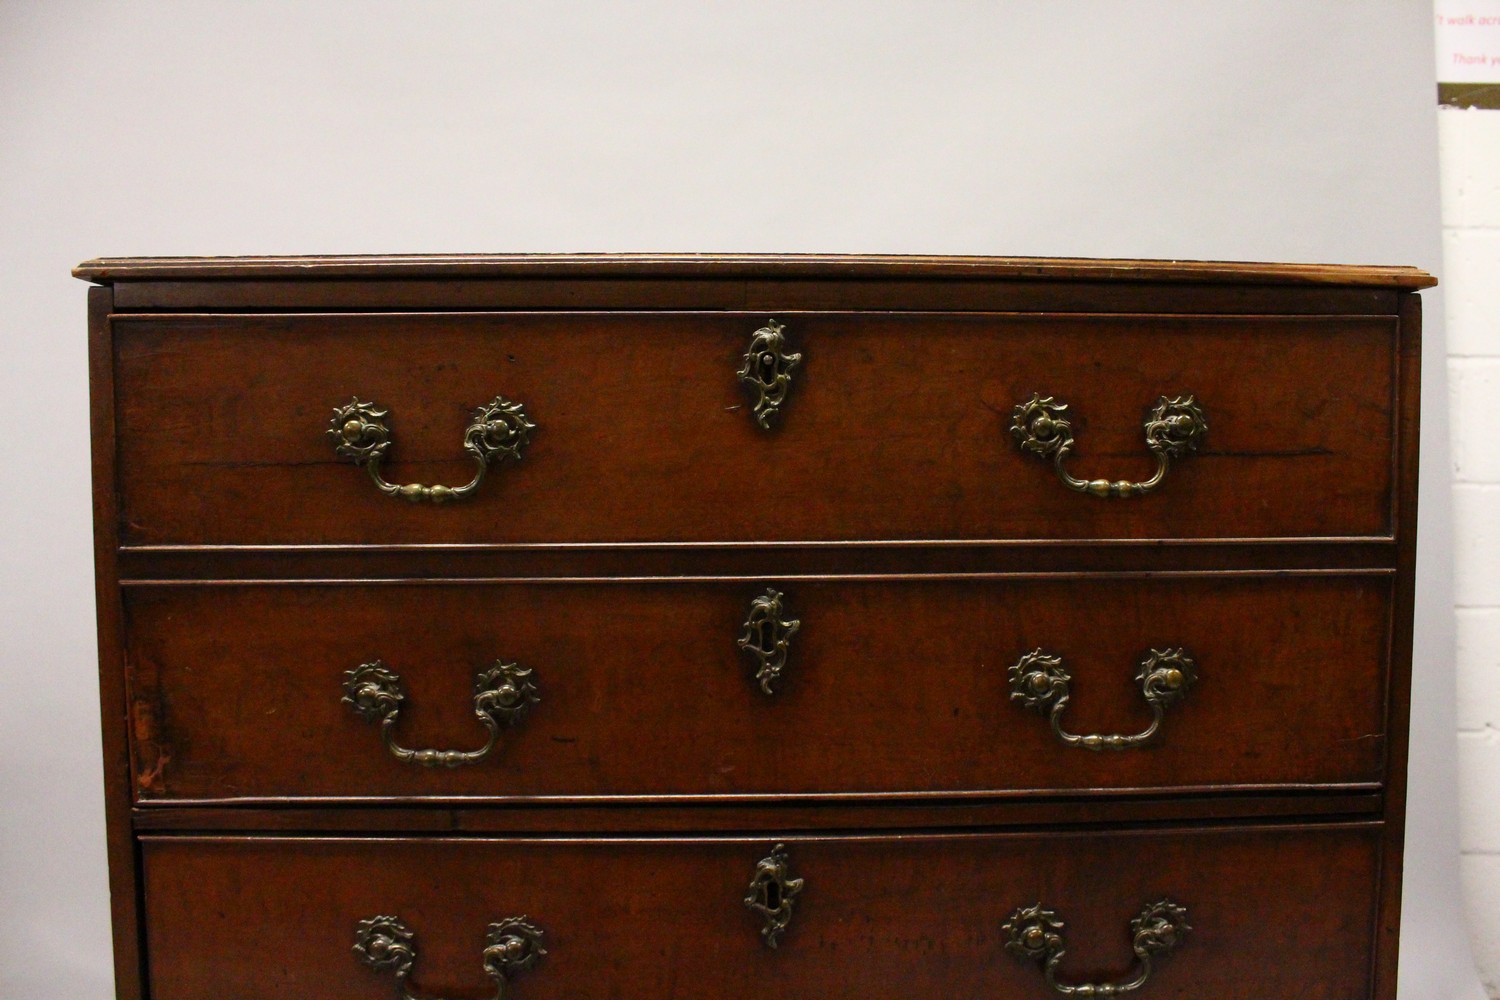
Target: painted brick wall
pixel 1469 151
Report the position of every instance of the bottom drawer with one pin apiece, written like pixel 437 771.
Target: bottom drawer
pixel 1271 911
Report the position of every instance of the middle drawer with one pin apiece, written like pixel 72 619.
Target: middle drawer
pixel 644 689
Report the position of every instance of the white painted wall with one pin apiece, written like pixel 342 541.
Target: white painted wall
pixel 1469 143
pixel 1271 130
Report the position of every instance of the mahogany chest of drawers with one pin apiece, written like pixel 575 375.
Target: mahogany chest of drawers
pixel 740 627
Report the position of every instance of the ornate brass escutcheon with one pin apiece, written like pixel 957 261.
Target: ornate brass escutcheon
pixel 767 371
pixel 768 637
pixel 772 892
pixel 386 944
pixel 1035 934
pixel 503 692
pixel 1038 680
pixel 497 430
pixel 1174 429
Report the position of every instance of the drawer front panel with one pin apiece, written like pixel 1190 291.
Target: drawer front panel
pixel 1271 911
pixel 895 427
pixel 644 689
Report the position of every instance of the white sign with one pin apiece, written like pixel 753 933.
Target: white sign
pixel 1468 41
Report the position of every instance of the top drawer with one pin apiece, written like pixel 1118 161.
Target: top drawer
pixel 895 427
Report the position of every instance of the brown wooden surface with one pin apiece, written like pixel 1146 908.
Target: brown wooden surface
pixel 1290 351
pixel 768 294
pixel 1398 708
pixel 897 427
pixel 145 566
pixel 182 565
pixel 782 815
pixel 123 875
pixel 842 266
pixel 1274 912
pixel 891 687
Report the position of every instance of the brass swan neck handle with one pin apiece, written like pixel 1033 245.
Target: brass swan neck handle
pixel 1174 429
pixel 503 692
pixel 387 944
pixel 1035 934
pixel 497 430
pixel 1038 681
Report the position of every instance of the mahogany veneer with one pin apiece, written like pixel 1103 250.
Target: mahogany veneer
pixel 896 428
pixel 1275 912
pixel 259 828
pixel 896 687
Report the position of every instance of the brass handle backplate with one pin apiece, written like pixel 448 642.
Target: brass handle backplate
pixel 502 694
pixel 1038 680
pixel 767 636
pixel 1035 934
pixel 767 371
pixel 1174 429
pixel 386 944
pixel 772 892
pixel 497 430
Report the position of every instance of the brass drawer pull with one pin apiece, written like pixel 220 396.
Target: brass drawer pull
pixel 1035 935
pixel 502 694
pixel 768 637
pixel 772 892
pixel 497 430
pixel 1038 680
pixel 386 944
pixel 1174 429
pixel 767 371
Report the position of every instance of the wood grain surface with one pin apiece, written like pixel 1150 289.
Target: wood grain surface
pixel 890 687
pixel 897 427
pixel 242 568
pixel 848 267
pixel 1274 912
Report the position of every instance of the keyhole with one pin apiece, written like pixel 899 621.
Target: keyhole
pixel 773 896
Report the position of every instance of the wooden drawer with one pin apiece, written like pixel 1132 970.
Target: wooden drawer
pixel 1272 912
pixel 889 687
pixel 897 427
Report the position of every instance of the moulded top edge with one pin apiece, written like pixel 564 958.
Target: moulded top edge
pixel 107 270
